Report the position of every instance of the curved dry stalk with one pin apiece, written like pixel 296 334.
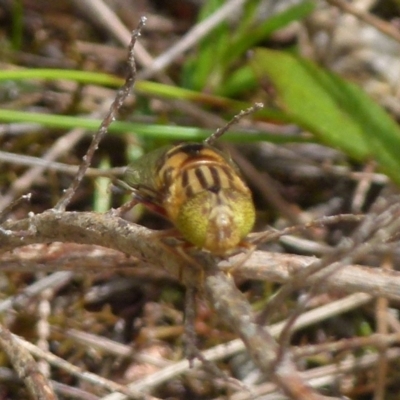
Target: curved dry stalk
pixel 272 267
pixel 90 228
pixel 114 233
pixel 109 231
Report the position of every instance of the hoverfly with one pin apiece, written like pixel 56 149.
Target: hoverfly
pixel 200 190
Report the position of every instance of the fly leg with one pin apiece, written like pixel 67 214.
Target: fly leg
pixel 249 249
pixel 180 248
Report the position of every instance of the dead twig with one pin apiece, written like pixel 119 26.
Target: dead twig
pixel 370 19
pixel 120 97
pixel 191 38
pixel 21 159
pixel 78 372
pixel 220 131
pixel 25 366
pixel 131 239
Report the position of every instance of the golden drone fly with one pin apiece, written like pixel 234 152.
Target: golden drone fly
pixel 200 190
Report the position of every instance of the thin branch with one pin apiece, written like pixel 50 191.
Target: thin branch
pixel 191 38
pixel 376 228
pixel 26 367
pixel 131 239
pixel 271 235
pixel 22 299
pixel 24 182
pixel 122 94
pixel 21 159
pixel 7 209
pixel 370 19
pixel 220 131
pixel 78 372
pixel 234 309
pixel 101 14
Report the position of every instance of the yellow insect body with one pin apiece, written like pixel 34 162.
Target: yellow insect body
pixel 199 189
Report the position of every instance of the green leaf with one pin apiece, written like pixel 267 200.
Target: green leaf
pixel 220 51
pixel 337 112
pixel 202 69
pixel 238 82
pixel 258 32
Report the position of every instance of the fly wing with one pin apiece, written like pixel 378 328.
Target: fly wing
pixel 141 176
pixel 142 172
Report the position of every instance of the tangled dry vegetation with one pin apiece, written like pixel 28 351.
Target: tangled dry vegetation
pixel 94 307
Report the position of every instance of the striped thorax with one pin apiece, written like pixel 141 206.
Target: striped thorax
pixel 199 189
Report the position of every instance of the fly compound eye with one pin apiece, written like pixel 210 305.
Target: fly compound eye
pixel 192 219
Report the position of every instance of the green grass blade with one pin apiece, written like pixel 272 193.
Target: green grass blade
pixel 202 69
pixel 146 88
pixel 102 192
pixel 94 78
pixel 337 112
pixel 153 131
pixel 260 32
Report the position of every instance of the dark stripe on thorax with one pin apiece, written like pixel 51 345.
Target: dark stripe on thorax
pixel 189 192
pixel 189 149
pixel 200 174
pixel 215 176
pixel 167 176
pixel 185 178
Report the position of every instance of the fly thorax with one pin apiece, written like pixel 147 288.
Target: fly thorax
pixel 210 206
